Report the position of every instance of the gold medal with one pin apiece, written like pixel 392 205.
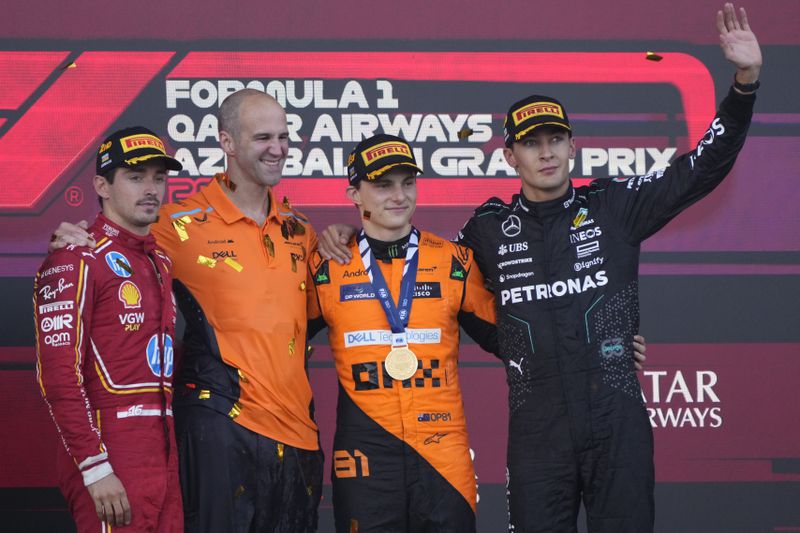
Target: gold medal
pixel 401 363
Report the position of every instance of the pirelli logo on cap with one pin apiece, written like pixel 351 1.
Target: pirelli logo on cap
pixel 142 140
pixel 536 109
pixel 385 150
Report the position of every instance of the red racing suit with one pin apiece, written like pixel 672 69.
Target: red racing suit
pixel 105 320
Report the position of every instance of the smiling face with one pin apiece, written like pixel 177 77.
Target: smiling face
pixel 259 143
pixel 133 197
pixel 390 201
pixel 542 161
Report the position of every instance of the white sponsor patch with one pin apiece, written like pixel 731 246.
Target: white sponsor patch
pixel 59 269
pixel 55 306
pixel 55 323
pixel 587 249
pixel 372 337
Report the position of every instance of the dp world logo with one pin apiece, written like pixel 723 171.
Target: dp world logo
pixel 512 226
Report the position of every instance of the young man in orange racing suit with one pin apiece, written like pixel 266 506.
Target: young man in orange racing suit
pixel 563 263
pixel 401 459
pixel 105 320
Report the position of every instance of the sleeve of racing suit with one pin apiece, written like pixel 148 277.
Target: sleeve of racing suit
pixel 470 237
pixel 62 306
pixel 644 204
pixel 316 322
pixel 477 315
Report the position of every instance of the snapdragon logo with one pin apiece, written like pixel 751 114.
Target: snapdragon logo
pixel 678 399
pixel 543 291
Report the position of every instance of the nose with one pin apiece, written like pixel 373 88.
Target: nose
pixel 398 194
pixel 544 151
pixel 150 187
pixel 277 147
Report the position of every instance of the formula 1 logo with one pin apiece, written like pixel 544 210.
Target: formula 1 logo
pixel 58 116
pixel 40 153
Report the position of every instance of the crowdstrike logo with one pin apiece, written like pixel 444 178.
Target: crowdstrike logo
pixel 511 262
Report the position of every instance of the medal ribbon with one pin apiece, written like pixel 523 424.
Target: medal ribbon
pixel 397 315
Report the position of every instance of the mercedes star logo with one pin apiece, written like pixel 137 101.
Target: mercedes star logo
pixel 512 226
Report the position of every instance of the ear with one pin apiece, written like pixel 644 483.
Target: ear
pixel 510 159
pixel 353 195
pixel 227 143
pixel 101 187
pixel 572 149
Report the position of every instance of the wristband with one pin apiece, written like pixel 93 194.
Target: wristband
pixel 746 87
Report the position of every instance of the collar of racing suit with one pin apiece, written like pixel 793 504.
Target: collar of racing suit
pixel 388 250
pixel 548 208
pixel 103 227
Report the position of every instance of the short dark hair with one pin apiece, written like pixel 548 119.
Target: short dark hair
pixel 109 176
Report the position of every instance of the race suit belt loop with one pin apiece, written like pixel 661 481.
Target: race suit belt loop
pixel 397 315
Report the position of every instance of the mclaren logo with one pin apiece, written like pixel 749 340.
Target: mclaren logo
pixel 512 226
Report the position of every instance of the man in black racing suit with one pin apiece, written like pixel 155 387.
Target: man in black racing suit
pixel 564 266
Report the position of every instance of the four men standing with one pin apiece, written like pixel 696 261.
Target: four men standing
pixel 250 457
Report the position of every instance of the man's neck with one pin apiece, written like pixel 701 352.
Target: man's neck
pixel 544 195
pixel 388 250
pixel 252 199
pixel 141 231
pixel 386 234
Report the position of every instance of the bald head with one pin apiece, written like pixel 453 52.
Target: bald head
pixel 230 115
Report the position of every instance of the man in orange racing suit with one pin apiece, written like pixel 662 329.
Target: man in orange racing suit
pixel 401 459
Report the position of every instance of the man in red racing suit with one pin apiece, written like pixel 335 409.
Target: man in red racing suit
pixel 105 320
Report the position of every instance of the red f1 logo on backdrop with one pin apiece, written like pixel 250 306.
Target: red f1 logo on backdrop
pixel 56 116
pixel 59 115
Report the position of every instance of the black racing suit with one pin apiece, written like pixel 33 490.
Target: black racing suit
pixel 564 273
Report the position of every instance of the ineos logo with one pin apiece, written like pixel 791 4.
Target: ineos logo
pixel 512 226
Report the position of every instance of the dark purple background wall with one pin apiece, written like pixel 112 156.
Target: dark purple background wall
pixel 719 285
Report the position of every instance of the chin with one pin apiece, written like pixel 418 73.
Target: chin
pixel 271 181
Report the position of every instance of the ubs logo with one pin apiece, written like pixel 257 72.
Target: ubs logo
pixel 512 226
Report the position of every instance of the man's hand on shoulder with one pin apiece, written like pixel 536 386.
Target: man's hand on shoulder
pixel 110 501
pixel 67 234
pixel 333 243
